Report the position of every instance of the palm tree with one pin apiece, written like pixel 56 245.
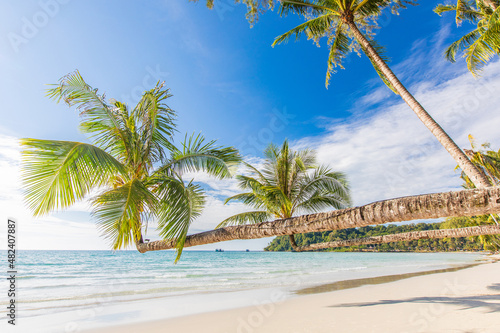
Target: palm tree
pixel 342 22
pixel 290 183
pixel 132 173
pixel 425 206
pixel 482 43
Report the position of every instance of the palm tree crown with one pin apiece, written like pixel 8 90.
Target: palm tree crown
pixel 290 182
pixel 133 172
pixel 482 43
pixel 333 20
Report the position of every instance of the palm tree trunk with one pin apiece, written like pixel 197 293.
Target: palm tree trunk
pixel 465 164
pixel 407 236
pixel 295 247
pixel 461 203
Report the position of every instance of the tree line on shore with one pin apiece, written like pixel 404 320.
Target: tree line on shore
pixel 477 243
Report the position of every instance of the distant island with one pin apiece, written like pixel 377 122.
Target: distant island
pixel 282 243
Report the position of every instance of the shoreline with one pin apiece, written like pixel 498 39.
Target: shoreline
pixel 418 302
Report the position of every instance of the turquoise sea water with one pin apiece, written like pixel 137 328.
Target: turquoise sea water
pixel 51 283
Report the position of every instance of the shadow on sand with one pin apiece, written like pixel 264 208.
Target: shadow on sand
pixel 490 303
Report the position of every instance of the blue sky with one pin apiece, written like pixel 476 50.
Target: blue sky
pixel 229 83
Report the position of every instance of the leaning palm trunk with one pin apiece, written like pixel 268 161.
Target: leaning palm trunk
pixel 426 206
pixel 465 164
pixel 406 236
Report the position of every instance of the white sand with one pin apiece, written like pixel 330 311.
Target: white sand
pixel 464 301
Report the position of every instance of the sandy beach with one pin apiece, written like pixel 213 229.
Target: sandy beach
pixel 467 300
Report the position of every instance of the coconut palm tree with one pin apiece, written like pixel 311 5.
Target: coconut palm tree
pixel 347 25
pixel 426 206
pixel 132 173
pixel 289 183
pixel 482 43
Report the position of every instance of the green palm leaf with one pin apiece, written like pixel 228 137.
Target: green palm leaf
pixel 316 26
pixel 56 174
pixel 480 45
pixel 320 201
pixel 156 123
pixel 251 198
pixel 461 44
pixel 380 50
pixel 323 180
pixel 338 51
pixel 180 205
pixel 303 7
pixel 198 155
pixel 246 218
pixel 99 119
pixel 121 212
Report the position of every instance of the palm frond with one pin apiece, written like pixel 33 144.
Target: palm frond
pixel 198 155
pixel 156 123
pixel 338 51
pixel 250 198
pixel 278 198
pixel 483 43
pixel 314 27
pixel 324 182
pixel 440 9
pixel 371 8
pixel 256 172
pixel 303 7
pixel 320 202
pixel 380 50
pixel 461 44
pixel 121 212
pixel 246 218
pixel 248 182
pixel 477 55
pixel 98 118
pixel 55 174
pixel 180 205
